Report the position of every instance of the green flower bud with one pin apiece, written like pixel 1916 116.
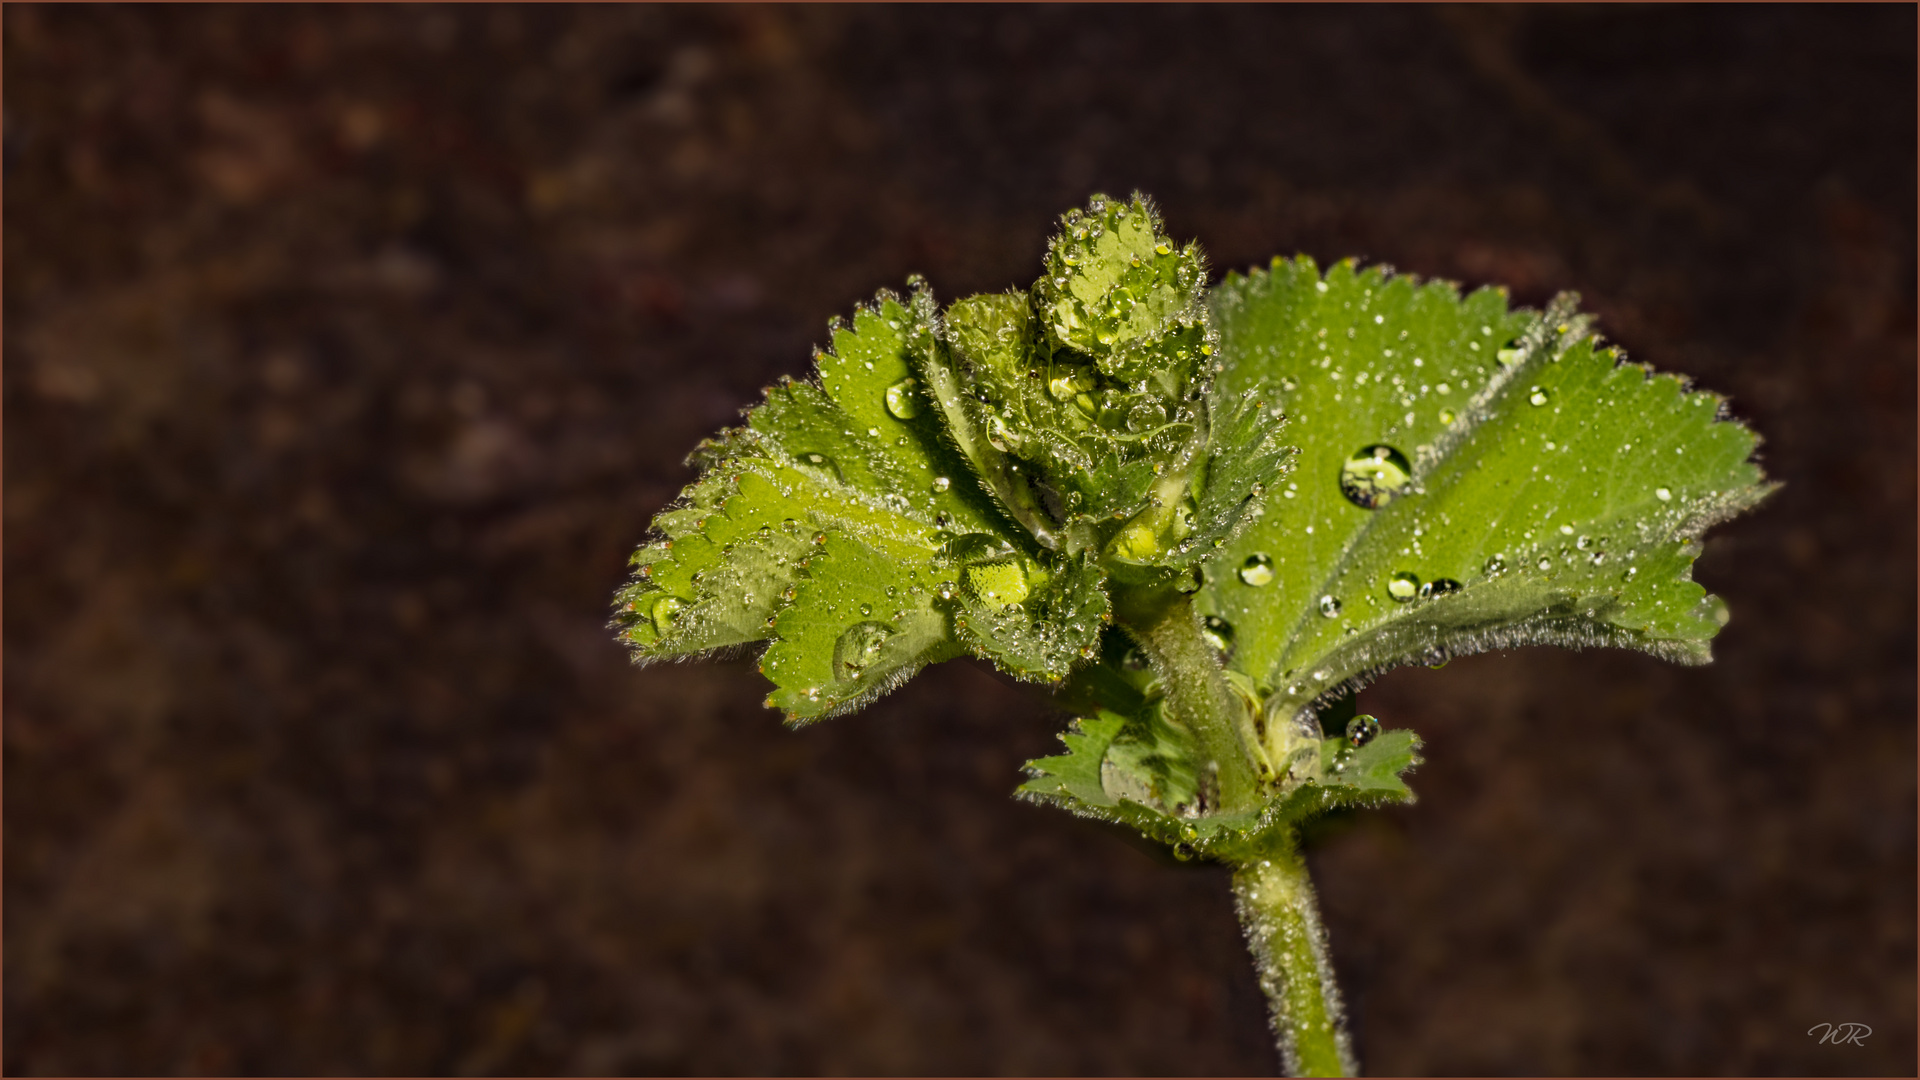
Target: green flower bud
pixel 1083 402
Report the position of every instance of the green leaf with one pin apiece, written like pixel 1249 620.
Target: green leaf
pixel 839 524
pixel 1468 477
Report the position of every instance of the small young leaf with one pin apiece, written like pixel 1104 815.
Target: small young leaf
pixel 1249 459
pixel 1137 770
pixel 1072 779
pixel 1032 627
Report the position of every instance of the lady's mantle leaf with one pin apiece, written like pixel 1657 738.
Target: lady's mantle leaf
pixel 1468 477
pixel 832 523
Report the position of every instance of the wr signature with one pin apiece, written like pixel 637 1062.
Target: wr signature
pixel 1842 1034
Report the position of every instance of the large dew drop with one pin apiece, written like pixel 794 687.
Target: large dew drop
pixel 1374 475
pixel 1257 570
pixel 1403 586
pixel 857 648
pixel 903 399
pixel 1361 729
pixel 1330 606
pixel 1438 587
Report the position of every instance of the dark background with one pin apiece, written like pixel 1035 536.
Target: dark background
pixel 349 351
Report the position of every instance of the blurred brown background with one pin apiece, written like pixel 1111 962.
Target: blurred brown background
pixel 350 349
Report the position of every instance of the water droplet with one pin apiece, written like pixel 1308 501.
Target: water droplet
pixel 1002 582
pixel 1330 606
pixel 1146 416
pixel 819 463
pixel 1257 571
pixel 1438 587
pixel 1566 530
pixel 866 609
pixel 1403 586
pixel 1219 634
pixel 1537 396
pixel 1599 557
pixel 1545 563
pixel 998 433
pixel 1717 608
pixel 1446 416
pixel 857 648
pixel 664 611
pixel 1361 729
pixel 819 538
pixel 1662 494
pixel 1134 660
pixel 903 399
pixel 1496 566
pixel 976 547
pixel 940 484
pixel 1374 475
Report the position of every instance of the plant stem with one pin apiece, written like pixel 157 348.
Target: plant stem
pixel 1197 695
pixel 1274 897
pixel 1272 892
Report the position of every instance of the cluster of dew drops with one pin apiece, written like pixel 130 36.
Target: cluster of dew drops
pixel 1372 477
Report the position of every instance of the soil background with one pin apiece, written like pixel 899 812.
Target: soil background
pixel 349 351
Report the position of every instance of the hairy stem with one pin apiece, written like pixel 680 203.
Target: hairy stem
pixel 1162 620
pixel 1274 897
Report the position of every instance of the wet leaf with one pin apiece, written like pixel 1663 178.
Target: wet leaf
pixel 1468 477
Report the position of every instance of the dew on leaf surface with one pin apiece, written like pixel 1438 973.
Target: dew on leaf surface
pixel 1403 586
pixel 903 399
pixel 1662 494
pixel 1438 587
pixel 940 484
pixel 1330 605
pixel 1257 570
pixel 1374 475
pixel 1537 395
pixel 1496 566
pixel 857 647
